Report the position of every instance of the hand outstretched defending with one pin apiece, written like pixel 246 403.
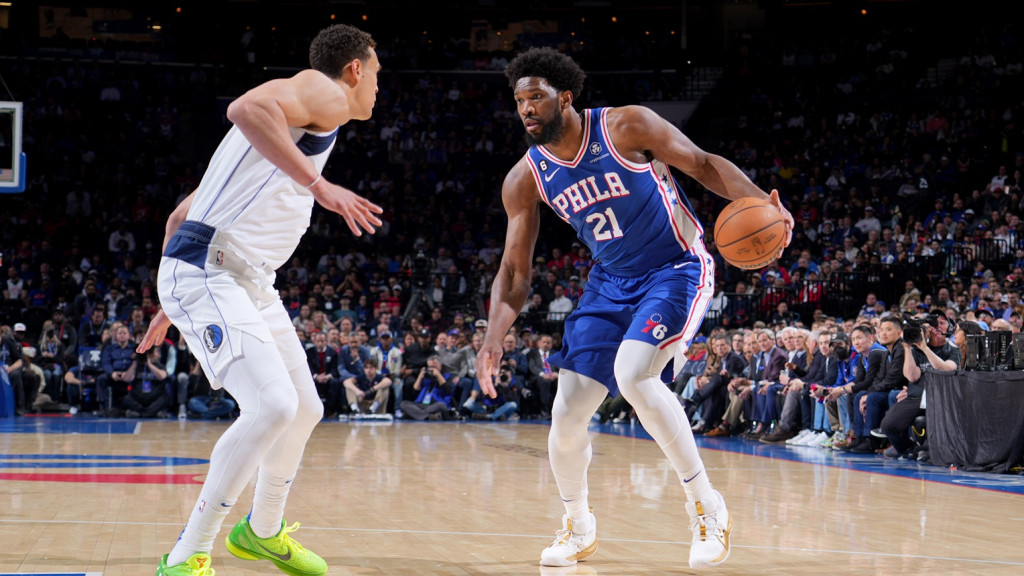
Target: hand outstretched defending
pixel 358 212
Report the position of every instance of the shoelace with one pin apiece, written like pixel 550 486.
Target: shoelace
pixel 562 537
pixel 708 522
pixel 288 541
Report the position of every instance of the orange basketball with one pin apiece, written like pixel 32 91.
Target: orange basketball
pixel 750 232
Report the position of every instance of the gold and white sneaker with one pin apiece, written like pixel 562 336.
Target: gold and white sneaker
pixel 711 526
pixel 575 541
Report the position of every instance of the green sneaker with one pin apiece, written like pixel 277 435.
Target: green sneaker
pixel 197 564
pixel 287 554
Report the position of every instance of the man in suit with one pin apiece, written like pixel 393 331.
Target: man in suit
pixel 713 397
pixel 794 340
pixel 796 420
pixel 323 364
pixel 541 376
pixel 769 363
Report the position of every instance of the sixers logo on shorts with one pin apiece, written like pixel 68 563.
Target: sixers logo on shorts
pixel 655 328
pixel 213 336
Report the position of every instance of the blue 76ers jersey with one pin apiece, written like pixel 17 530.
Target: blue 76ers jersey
pixel 633 217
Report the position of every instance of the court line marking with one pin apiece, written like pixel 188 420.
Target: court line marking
pixel 873 554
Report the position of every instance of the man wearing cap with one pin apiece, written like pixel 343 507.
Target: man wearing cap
pixel 869 222
pixel 445 348
pixel 574 290
pixel 389 359
pixel 33 382
pixel 19 334
pixel 480 326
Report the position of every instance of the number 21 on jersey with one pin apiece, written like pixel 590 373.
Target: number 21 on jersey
pixel 602 221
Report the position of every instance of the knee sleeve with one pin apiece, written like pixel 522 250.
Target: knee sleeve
pixel 261 386
pixel 636 363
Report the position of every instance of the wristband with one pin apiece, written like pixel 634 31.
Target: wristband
pixel 313 183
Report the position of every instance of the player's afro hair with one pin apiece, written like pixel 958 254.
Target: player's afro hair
pixel 561 72
pixel 336 46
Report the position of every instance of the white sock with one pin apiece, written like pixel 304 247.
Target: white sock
pixel 201 530
pixel 698 489
pixel 577 507
pixel 268 504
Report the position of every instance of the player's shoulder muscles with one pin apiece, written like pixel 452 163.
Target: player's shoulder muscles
pixel 323 103
pixel 638 130
pixel 519 190
pixel 521 198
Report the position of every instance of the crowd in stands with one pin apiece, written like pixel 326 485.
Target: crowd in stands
pixel 899 159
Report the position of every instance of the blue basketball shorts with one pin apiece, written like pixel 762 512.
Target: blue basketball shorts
pixel 664 307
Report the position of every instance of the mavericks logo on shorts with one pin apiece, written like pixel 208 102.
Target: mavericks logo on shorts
pixel 212 337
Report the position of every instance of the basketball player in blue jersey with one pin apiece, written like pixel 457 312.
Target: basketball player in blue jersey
pixel 216 285
pixel 604 172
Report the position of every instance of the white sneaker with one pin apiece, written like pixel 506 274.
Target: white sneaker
pixel 574 542
pixel 807 439
pixel 373 407
pixel 711 526
pixel 182 412
pixel 817 439
pixel 796 440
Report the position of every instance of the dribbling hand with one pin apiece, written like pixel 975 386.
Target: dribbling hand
pixel 358 212
pixel 789 220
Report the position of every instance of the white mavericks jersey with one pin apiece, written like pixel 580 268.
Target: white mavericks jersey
pixel 245 197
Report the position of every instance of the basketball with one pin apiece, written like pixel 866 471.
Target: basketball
pixel 750 232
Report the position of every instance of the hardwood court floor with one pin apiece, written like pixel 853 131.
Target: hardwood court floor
pixel 478 499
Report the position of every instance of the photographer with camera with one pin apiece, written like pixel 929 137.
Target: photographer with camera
pixel 503 404
pixel 925 343
pixel 433 392
pixel 147 394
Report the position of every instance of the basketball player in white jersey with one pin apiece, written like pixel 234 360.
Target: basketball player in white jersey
pixel 216 285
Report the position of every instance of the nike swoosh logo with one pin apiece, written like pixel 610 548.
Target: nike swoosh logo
pixel 687 481
pixel 678 266
pixel 548 177
pixel 281 557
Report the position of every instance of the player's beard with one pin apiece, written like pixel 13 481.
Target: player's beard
pixel 551 131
